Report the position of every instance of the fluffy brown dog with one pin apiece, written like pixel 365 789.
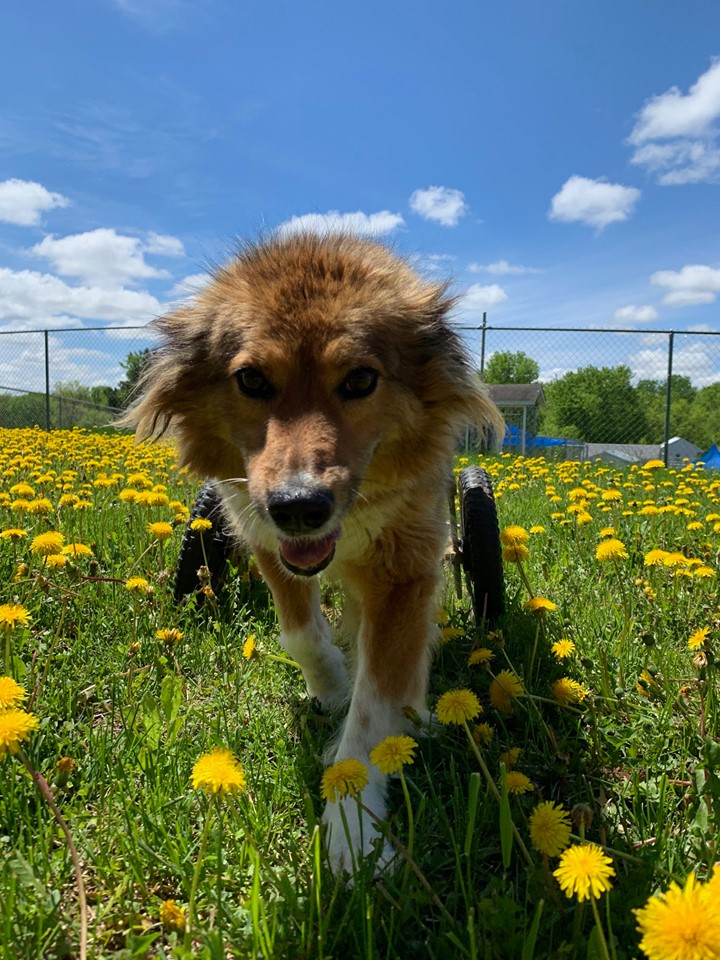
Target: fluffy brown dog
pixel 318 379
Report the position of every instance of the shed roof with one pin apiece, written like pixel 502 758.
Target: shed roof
pixel 517 394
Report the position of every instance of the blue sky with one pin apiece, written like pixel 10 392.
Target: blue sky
pixel 560 161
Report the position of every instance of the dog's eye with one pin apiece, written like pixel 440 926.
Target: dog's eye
pixel 358 383
pixel 254 384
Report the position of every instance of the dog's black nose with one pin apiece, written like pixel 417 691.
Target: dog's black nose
pixel 298 510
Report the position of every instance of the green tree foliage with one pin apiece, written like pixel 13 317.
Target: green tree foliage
pixel 597 405
pixel 133 365
pixel 509 367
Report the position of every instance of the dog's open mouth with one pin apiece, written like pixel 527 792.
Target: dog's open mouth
pixel 307 556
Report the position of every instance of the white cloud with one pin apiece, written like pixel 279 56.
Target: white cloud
pixel 23 201
pixel 696 283
pixel 698 361
pixel 164 245
pixel 479 298
pixel 189 286
pixel 676 134
pixel 500 267
pixel 30 300
pixel 364 224
pixel 441 204
pixel 103 257
pixel 595 202
pixel 633 314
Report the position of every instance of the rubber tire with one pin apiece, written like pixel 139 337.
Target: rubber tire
pixel 481 550
pixel 220 546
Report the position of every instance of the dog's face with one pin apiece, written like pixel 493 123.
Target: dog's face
pixel 310 369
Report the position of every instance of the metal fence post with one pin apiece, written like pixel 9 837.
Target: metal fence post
pixel 482 345
pixel 47 380
pixel 668 395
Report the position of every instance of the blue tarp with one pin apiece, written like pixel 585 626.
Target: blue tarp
pixel 513 438
pixel 711 458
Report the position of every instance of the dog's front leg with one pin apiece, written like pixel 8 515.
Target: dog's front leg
pixel 306 634
pixel 394 648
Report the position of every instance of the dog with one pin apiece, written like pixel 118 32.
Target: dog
pixel 317 380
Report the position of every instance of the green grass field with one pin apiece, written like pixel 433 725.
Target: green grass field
pixel 629 749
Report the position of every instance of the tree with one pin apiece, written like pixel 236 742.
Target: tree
pixel 595 404
pixel 133 365
pixel 509 367
pixel 652 395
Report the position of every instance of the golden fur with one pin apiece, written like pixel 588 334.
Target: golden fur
pixel 319 380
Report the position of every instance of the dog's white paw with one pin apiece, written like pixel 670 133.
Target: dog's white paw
pixel 351 835
pixel 323 667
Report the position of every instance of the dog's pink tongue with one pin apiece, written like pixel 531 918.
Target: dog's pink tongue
pixel 307 553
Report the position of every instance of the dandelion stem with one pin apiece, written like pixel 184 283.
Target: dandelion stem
pixel 192 918
pixel 46 793
pixel 601 933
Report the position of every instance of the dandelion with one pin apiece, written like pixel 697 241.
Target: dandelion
pixel 249 647
pixel 56 561
pixel 584 871
pixel 537 529
pixel 482 655
pixel 681 924
pixel 549 828
pixel 345 778
pixel 611 549
pixel 513 535
pixel 160 530
pixel 15 726
pixel 567 691
pixel 698 638
pixel 48 543
pixel 169 635
pixel 540 606
pixel 450 633
pixel 77 550
pixel 172 917
pixel 563 648
pixel 611 496
pixel 654 465
pixel 201 524
pixel 517 782
pixel 505 688
pixel 482 734
pixel 515 553
pixel 393 753
pixel 218 772
pixel 11 693
pixel 13 534
pixel 458 706
pixel 655 558
pixel 138 585
pixel 511 757
pixel 13 615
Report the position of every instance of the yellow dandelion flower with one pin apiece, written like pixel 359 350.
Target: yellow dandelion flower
pixel 517 782
pixel 344 778
pixel 607 532
pixel 11 693
pixel 699 638
pixel 675 559
pixel 172 917
pixel 457 706
pixel 201 524
pixel 249 647
pixel 540 606
pixel 450 633
pixel 218 772
pixel 655 558
pixel 512 535
pixel 550 828
pixel 77 550
pixel 170 635
pixel 138 585
pixel 537 529
pixel 611 496
pixel 511 757
pixel 681 924
pixel 13 534
pixel 481 655
pixel 128 495
pixel 393 753
pixel 515 553
pixel 648 511
pixel 584 871
pixel 568 691
pixel 48 543
pixel 160 530
pixel 15 726
pixel 13 615
pixel 482 734
pixel 56 561
pixel 611 549
pixel 22 490
pixel 703 571
pixel 693 526
pixel 505 688
pixel 654 465
pixel 563 648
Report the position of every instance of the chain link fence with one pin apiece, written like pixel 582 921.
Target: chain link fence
pixel 625 395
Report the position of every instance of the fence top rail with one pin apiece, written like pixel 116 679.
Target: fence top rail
pixel 140 326
pixel 686 333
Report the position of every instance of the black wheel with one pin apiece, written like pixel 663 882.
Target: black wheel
pixel 212 547
pixel 480 546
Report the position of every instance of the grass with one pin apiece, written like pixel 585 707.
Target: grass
pixel 634 754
